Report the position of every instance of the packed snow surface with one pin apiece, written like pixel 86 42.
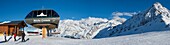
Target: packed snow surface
pixel 149 38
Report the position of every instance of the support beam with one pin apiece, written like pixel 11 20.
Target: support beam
pixel 44 32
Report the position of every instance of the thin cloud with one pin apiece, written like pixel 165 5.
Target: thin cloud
pixel 116 16
pixel 123 13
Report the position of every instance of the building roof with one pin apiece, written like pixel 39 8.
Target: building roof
pixel 12 22
pixel 42 14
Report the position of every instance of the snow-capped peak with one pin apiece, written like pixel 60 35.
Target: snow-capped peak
pixel 155 18
pixel 158 8
pixel 154 11
pixel 157 5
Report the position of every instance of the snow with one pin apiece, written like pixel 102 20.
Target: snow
pixel 150 38
pixel 5 22
pixel 85 28
pixel 156 18
pixel 150 27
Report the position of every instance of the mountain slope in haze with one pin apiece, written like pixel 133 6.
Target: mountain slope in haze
pixel 156 18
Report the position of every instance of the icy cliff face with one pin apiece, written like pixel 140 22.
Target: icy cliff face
pixel 156 18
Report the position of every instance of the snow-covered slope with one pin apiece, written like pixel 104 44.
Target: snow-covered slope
pixel 156 18
pixel 150 38
pixel 85 28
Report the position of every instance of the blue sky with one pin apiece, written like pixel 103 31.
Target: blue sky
pixel 76 9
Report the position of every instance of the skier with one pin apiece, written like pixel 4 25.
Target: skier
pixel 14 36
pixel 5 36
pixel 23 36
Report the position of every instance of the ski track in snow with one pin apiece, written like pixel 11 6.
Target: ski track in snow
pixel 150 38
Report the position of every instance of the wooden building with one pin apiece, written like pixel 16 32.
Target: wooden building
pixel 10 26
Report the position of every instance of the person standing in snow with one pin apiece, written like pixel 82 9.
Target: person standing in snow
pixel 23 36
pixel 14 35
pixel 5 36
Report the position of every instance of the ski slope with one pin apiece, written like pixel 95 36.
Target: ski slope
pixel 149 38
